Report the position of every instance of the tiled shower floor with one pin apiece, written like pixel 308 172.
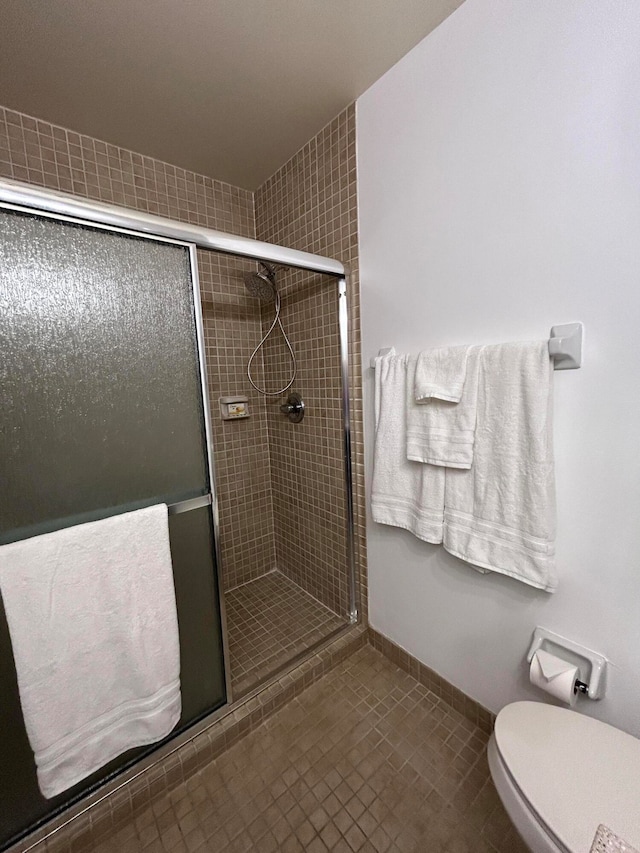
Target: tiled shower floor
pixel 366 759
pixel 270 620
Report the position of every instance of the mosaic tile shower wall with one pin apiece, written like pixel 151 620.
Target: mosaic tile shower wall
pixel 232 328
pixel 39 153
pixel 311 204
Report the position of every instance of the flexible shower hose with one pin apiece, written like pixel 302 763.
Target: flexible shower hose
pixel 276 322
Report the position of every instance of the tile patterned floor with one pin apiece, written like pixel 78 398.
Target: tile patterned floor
pixel 366 759
pixel 270 620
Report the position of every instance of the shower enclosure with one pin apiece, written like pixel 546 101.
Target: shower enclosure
pixel 283 531
pixel 124 338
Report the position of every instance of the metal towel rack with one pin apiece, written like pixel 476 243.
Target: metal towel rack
pixel 50 525
pixel 565 347
pixel 189 504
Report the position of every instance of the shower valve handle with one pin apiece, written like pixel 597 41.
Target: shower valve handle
pixel 293 408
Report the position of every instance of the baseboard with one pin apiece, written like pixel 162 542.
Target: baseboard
pixel 430 679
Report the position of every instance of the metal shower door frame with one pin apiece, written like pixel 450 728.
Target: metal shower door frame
pixel 58 205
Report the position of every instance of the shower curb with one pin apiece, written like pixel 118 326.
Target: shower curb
pixel 87 823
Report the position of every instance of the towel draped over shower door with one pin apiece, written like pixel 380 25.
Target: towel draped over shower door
pixel 102 413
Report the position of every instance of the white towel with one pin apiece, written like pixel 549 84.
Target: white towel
pixel 439 432
pixel 404 494
pixel 92 617
pixel 500 514
pixel 440 374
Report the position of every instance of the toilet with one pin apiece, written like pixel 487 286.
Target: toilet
pixel 560 774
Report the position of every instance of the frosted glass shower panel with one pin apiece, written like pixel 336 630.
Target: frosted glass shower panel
pixel 101 399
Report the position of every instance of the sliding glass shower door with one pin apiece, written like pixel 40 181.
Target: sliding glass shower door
pixel 102 412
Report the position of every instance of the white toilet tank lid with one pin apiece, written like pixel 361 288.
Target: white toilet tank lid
pixel 575 772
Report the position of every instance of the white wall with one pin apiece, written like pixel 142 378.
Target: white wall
pixel 499 192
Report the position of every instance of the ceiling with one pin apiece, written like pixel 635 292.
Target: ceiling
pixel 227 88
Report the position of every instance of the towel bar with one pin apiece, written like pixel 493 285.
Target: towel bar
pixel 189 504
pixel 565 347
pixel 50 525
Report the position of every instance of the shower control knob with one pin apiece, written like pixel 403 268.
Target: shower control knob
pixel 293 408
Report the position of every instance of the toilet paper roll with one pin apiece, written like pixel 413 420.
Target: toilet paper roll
pixel 554 675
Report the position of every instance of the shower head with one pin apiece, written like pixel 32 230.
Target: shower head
pixel 262 284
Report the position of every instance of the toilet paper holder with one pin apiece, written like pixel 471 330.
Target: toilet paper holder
pixel 591 665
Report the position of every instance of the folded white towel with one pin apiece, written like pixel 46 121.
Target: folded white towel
pixel 439 432
pixel 440 374
pixel 500 514
pixel 404 494
pixel 92 617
